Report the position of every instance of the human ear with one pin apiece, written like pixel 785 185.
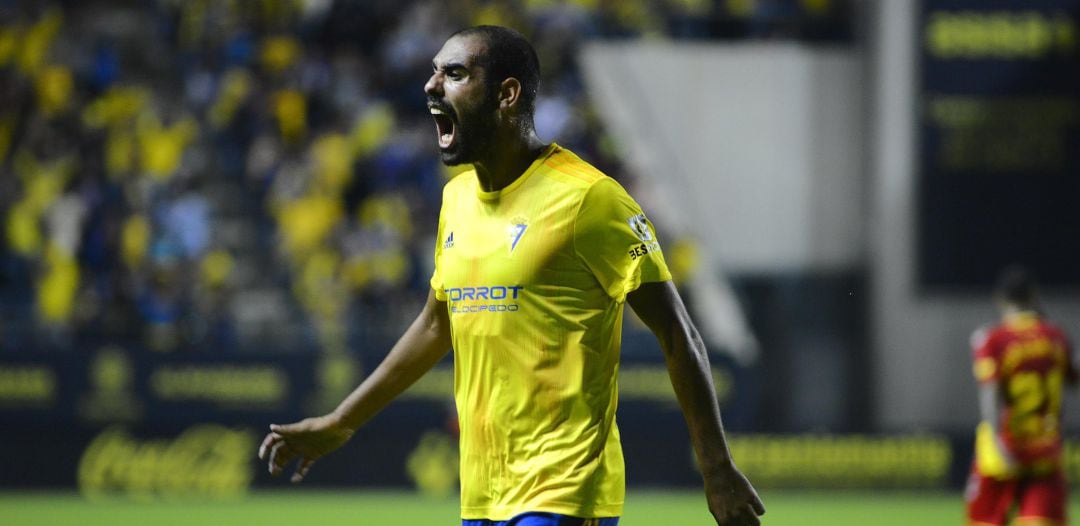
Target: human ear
pixel 509 93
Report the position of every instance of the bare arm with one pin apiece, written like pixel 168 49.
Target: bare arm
pixel 732 500
pixel 990 403
pixel 424 343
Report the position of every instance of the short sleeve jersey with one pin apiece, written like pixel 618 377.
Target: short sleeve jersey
pixel 1030 359
pixel 535 276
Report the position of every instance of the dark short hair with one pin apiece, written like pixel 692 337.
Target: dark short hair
pixel 508 54
pixel 1016 285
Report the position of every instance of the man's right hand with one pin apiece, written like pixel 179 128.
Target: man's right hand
pixel 733 501
pixel 306 440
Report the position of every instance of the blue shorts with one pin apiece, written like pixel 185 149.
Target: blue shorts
pixel 543 519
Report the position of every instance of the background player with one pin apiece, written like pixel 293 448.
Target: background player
pixel 1021 365
pixel 537 253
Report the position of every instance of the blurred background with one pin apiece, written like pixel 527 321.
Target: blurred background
pixel 221 214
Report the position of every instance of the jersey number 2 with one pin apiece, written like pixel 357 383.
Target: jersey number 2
pixel 1035 399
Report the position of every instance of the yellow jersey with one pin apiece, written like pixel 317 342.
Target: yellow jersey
pixel 535 276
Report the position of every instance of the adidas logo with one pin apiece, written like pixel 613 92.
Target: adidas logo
pixel 449 243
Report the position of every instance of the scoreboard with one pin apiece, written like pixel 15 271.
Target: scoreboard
pixel 998 123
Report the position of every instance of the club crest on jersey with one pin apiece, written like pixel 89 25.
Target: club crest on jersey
pixel 449 243
pixel 516 230
pixel 640 226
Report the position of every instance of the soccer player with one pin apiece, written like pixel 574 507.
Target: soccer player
pixel 536 255
pixel 1021 365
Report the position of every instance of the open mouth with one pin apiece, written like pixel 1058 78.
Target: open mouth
pixel 444 126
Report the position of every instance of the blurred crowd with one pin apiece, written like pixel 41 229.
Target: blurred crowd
pixel 262 174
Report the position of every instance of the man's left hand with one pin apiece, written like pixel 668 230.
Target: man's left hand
pixel 306 440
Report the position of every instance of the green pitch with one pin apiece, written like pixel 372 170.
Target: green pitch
pixel 371 508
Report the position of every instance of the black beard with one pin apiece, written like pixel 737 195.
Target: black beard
pixel 475 136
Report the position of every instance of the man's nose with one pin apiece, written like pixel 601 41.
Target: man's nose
pixel 433 87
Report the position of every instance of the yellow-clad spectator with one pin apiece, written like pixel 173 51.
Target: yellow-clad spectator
pixel 53 86
pixel 43 181
pixel 24 229
pixel 332 159
pixel 119 153
pixel 134 240
pixel 117 107
pixel 290 110
pixel 356 272
pixel 279 53
pixel 215 268
pixel 37 40
pixel 57 287
pixel 390 211
pixel 306 222
pixel 161 147
pixel 372 130
pixel 235 88
pixel 116 111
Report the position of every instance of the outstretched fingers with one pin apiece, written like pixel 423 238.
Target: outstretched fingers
pixel 307 440
pixel 268 444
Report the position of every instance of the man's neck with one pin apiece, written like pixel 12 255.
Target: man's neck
pixel 508 162
pixel 1012 312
